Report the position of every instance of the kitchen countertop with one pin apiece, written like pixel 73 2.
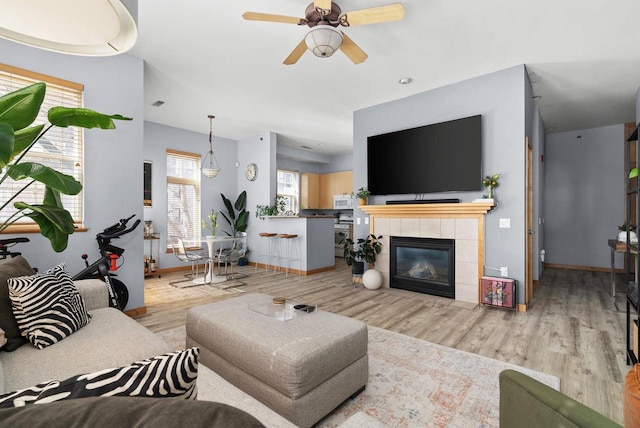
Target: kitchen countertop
pixel 299 216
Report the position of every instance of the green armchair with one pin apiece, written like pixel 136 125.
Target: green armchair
pixel 527 403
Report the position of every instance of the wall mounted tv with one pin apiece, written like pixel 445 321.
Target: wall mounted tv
pixel 443 157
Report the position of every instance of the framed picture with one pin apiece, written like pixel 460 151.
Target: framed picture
pixel 147 183
pixel 498 291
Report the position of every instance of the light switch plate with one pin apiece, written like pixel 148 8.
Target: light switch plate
pixel 505 223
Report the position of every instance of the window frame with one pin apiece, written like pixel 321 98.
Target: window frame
pixel 296 195
pixel 195 181
pixel 60 92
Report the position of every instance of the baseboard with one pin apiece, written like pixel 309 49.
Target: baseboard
pixel 587 268
pixel 136 311
pixel 292 270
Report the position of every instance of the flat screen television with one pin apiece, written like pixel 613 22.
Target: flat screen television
pixel 443 157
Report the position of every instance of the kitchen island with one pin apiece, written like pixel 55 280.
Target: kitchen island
pixel 315 238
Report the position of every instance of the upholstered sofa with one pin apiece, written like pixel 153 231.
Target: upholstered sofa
pixel 527 403
pixel 111 339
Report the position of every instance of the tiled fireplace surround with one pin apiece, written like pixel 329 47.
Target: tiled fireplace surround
pixel 462 222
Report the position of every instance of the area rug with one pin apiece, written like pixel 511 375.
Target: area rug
pixel 414 383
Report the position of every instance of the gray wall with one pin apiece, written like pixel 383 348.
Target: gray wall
pixel 113 159
pixel 157 139
pixel 261 150
pixel 583 195
pixel 500 99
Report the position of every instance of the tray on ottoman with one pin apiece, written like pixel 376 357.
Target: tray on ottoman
pixel 302 368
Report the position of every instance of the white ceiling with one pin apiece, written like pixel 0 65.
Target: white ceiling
pixel 202 58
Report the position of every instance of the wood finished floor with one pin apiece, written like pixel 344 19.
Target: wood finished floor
pixel 572 329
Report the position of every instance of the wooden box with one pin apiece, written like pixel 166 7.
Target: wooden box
pixel 498 291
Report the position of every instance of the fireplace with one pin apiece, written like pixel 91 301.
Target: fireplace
pixel 425 265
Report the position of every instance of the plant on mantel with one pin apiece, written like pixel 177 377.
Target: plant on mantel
pixel 362 194
pixel 18 135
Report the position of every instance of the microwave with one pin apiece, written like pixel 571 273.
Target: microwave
pixel 342 202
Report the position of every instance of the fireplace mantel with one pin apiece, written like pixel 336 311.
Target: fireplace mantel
pixel 469 209
pixel 463 222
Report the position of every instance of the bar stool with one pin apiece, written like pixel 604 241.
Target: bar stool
pixel 291 244
pixel 269 252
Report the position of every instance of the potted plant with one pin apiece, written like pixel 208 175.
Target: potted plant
pixel 18 135
pixel 278 208
pixel 211 223
pixel 364 250
pixel 362 194
pixel 490 182
pixel 237 216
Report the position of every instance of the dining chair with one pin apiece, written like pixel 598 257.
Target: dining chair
pixel 229 253
pixel 180 251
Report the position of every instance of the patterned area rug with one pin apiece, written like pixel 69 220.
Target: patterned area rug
pixel 416 383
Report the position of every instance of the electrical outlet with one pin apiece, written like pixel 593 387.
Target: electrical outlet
pixel 357 220
pixel 504 271
pixel 505 223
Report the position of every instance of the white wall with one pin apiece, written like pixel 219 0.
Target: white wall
pixel 113 158
pixel 583 195
pixel 500 98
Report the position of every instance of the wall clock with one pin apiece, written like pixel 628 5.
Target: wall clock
pixel 251 172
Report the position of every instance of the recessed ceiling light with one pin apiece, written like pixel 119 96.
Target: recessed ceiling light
pixel 158 103
pixel 537 97
pixel 321 144
pixel 405 80
pixel 306 147
pixel 550 129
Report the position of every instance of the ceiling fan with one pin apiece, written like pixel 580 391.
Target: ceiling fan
pixel 323 16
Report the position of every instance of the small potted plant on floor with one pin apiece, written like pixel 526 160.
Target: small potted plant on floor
pixel 361 194
pixel 364 250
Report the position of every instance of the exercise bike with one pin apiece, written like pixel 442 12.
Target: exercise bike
pixel 6 244
pixel 109 254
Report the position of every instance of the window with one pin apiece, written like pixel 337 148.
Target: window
pixel 61 148
pixel 183 195
pixel 289 189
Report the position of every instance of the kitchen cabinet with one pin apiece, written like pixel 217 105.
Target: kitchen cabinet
pixel 335 183
pixel 310 190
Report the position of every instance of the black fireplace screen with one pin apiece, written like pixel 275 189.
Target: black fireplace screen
pixel 425 265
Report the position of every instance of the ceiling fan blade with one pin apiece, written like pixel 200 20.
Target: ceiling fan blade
pixel 373 15
pixel 295 55
pixel 257 16
pixel 352 51
pixel 322 4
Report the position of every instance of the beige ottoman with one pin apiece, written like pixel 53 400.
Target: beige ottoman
pixel 301 368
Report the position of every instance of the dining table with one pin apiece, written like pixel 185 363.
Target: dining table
pixel 210 277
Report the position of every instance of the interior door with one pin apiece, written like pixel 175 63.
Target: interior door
pixel 530 229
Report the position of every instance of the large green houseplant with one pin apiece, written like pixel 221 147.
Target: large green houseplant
pixel 237 216
pixel 18 111
pixel 361 251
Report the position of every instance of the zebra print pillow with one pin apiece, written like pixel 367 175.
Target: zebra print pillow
pixel 171 375
pixel 47 307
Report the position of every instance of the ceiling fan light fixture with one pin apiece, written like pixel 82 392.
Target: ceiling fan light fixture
pixel 323 40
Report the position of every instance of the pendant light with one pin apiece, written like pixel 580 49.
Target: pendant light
pixel 213 168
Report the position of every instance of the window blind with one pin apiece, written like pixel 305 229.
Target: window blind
pixel 183 195
pixel 60 148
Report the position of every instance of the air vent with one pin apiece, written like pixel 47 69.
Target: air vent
pixel 158 103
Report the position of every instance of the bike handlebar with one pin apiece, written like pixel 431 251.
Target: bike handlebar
pixel 5 242
pixel 118 229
